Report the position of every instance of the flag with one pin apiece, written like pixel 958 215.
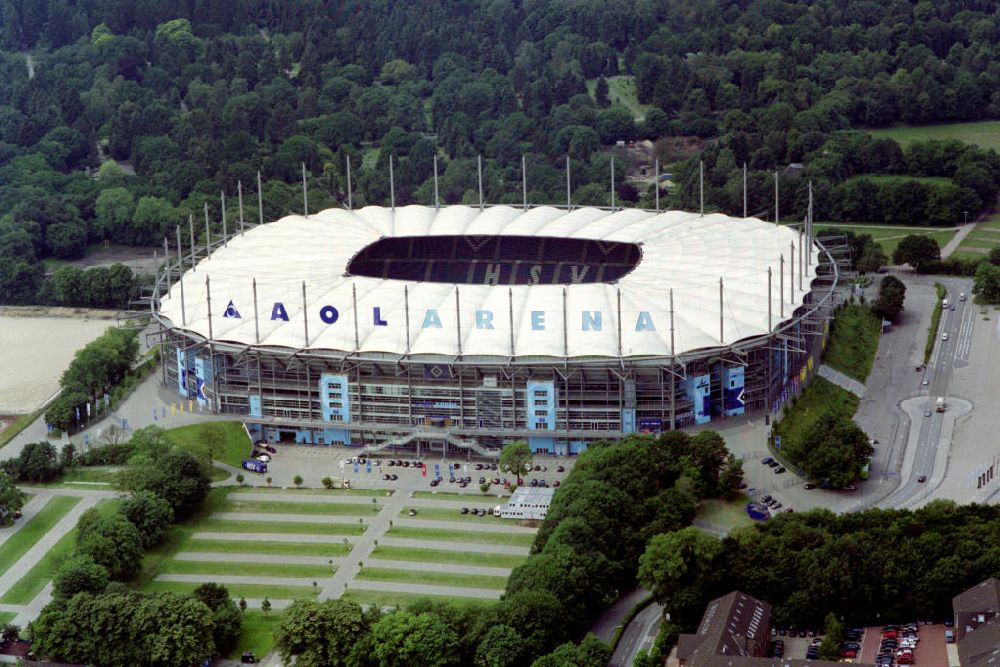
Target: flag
pixel 190 406
pixel 86 439
pixel 154 414
pixel 423 469
pixel 48 427
pixel 173 409
pixel 107 400
pixel 355 467
pixel 78 414
pixel 125 426
pixel 164 415
pixel 437 471
pixel 368 465
pixel 88 409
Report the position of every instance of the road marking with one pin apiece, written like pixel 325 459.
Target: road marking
pixel 964 344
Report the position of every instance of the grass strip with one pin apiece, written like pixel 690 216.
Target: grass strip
pixel 402 600
pixel 32 583
pixel 236 590
pixel 286 507
pixel 449 514
pixel 7 617
pixel 433 578
pixel 821 397
pixel 467 498
pixel 507 539
pixel 311 492
pixel 227 526
pixel 263 569
pixel 450 557
pixel 18 425
pixel 932 331
pixel 853 341
pixel 264 547
pixel 21 541
pixel 257 633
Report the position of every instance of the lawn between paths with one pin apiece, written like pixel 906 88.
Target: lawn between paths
pixel 375 573
pixel 235 445
pixel 507 539
pixel 20 542
pixel 390 599
pixel 451 557
pixel 32 583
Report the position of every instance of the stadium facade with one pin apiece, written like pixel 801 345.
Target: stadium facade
pixel 430 329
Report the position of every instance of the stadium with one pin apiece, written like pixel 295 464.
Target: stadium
pixel 424 328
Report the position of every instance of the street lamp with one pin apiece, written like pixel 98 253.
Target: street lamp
pixel 966 217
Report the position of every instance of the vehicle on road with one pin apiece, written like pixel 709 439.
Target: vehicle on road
pixel 921 478
pixel 939 404
pixel 944 336
pixel 412 512
pixel 271 449
pixel 265 458
pixel 927 413
pixel 961 297
pixel 808 486
pixel 766 460
pixel 779 470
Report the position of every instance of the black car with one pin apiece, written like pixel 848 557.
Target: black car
pixel 561 469
pixel 386 477
pixel 482 480
pixel 271 449
pixel 435 481
pixel 765 499
pixel 465 510
pixel 391 463
pixel 534 482
pixel 248 658
pixel 778 471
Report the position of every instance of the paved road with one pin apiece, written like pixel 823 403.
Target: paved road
pixel 928 447
pixel 610 620
pixel 638 636
pixel 277 517
pixel 450 568
pixel 262 578
pixel 425 589
pixel 462 524
pixel 297 497
pixel 445 545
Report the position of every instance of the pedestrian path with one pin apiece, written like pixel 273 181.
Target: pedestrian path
pixel 424 589
pixel 956 240
pixel 841 380
pixel 262 559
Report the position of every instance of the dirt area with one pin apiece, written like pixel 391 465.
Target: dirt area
pixel 139 259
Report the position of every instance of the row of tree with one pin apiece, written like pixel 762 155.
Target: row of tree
pixel 866 567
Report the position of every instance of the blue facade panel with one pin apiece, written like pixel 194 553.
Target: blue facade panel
pixel 698 391
pixel 255 406
pixel 334 398
pixel 336 436
pixel 628 420
pixel 733 386
pixel 182 373
pixel 547 445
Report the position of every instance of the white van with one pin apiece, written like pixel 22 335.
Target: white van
pixel 961 297
pixel 944 304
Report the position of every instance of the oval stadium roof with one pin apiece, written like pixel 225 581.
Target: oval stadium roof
pixel 473 304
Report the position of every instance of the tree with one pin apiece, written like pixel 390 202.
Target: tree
pixel 112 541
pixel 601 93
pixel 833 450
pixel 79 574
pixel 265 606
pixel 12 499
pixel 227 618
pixel 240 479
pixel 515 459
pixel 37 462
pixel 891 295
pixel 591 652
pixel 177 477
pixel 833 635
pixel 679 568
pixel 731 478
pixel 917 250
pixel 501 646
pixel 11 632
pixel 297 480
pixel 150 514
pixel 402 638
pixel 986 285
pixel 113 210
pixel 327 483
pixel 320 634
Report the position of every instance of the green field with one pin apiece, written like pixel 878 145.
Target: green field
pixel 468 498
pixel 234 446
pixel 7 617
pixel 287 507
pixel 819 398
pixel 237 590
pixel 621 92
pixel 318 572
pixel 442 556
pixel 884 179
pixel 981 240
pixel 34 530
pixel 262 525
pixel 330 550
pixel 433 578
pixel 887 237
pixel 312 492
pixel 725 514
pixel 388 599
pixel 257 633
pixel 984 134
pixel 853 341
pixel 510 539
pixel 32 583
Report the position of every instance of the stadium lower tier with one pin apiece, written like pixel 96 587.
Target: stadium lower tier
pixel 558 408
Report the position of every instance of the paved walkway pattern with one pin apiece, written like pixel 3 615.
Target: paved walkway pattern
pixel 841 380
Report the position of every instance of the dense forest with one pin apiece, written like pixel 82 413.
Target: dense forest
pixel 192 97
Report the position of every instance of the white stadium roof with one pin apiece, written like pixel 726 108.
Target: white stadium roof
pixel 681 251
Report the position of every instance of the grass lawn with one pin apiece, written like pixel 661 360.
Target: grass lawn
pixel 29 534
pixel 236 590
pixel 17 426
pixel 984 134
pixel 32 583
pixel 401 600
pixel 446 514
pixel 433 578
pixel 257 633
pixel 886 236
pixel 7 617
pixel 510 539
pixel 264 569
pixel 264 547
pixel 311 492
pixel 853 341
pixel 932 329
pixel 234 445
pixel 725 514
pixel 819 398
pixel 262 526
pixel 621 92
pixel 453 557
pixel 926 180
pixel 287 507
pixel 83 477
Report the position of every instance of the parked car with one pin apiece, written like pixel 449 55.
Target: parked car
pixel 808 486
pixel 435 481
pixel 412 512
pixel 779 470
pixel 271 449
pixel 465 510
pixel 766 460
pixel 265 458
pixel 561 469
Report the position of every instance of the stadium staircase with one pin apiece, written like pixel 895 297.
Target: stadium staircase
pixel 433 435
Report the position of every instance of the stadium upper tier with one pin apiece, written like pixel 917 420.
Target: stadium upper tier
pixel 497 282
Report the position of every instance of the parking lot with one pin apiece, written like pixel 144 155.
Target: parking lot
pixel 930 648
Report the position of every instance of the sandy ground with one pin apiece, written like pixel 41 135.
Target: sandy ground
pixel 34 352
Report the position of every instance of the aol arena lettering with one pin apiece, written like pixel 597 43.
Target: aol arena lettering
pixel 590 320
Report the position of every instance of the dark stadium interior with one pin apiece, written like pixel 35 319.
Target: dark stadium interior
pixel 496 260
